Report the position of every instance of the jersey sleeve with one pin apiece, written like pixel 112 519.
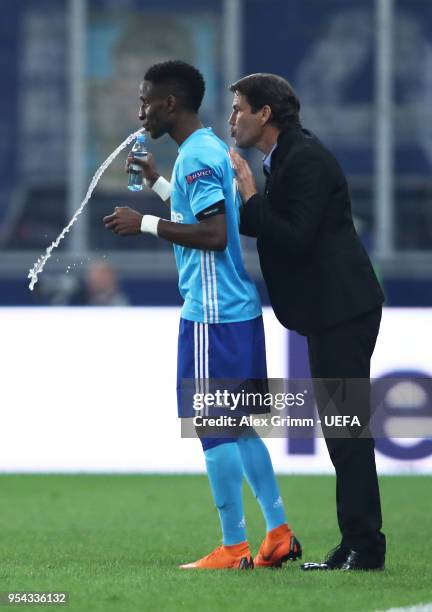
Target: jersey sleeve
pixel 203 182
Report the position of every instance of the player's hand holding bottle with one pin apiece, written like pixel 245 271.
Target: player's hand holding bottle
pixel 148 166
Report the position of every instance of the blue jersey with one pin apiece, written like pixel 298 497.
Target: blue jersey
pixel 214 284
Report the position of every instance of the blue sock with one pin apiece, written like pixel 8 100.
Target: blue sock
pixel 260 475
pixel 225 473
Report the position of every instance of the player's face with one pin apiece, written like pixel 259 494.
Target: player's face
pixel 153 110
pixel 246 126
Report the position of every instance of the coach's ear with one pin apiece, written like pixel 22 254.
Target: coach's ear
pixel 266 114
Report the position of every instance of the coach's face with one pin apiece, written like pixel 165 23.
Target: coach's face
pixel 246 126
pixel 156 109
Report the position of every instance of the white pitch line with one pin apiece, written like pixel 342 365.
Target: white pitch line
pixel 427 607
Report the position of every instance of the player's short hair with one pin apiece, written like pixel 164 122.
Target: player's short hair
pixel 262 88
pixel 185 81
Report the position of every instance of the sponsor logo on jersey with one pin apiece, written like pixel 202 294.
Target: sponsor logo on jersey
pixel 176 217
pixel 194 176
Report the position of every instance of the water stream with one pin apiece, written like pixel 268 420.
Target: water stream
pixel 40 263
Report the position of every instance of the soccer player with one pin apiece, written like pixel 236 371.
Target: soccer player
pixel 221 332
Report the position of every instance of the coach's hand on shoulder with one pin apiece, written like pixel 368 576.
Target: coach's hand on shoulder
pixel 245 178
pixel 124 221
pixel 148 166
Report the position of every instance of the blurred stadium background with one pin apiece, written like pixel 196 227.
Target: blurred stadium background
pixel 70 73
pixel 91 388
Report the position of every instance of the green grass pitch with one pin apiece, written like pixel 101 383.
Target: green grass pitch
pixel 114 543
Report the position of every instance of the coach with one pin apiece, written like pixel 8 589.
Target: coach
pixel 320 282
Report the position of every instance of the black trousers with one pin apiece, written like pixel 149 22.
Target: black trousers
pixel 344 352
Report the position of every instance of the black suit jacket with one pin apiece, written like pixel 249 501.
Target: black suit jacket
pixel 317 272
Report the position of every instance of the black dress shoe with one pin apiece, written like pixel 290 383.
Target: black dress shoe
pixel 335 559
pixel 364 560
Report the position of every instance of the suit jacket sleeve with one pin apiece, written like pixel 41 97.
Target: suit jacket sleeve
pixel 249 217
pixel 302 188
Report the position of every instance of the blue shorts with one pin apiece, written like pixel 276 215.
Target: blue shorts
pixel 233 352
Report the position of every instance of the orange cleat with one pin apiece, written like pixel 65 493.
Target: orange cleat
pixel 279 545
pixel 237 556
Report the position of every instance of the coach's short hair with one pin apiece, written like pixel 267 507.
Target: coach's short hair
pixel 262 88
pixel 185 81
